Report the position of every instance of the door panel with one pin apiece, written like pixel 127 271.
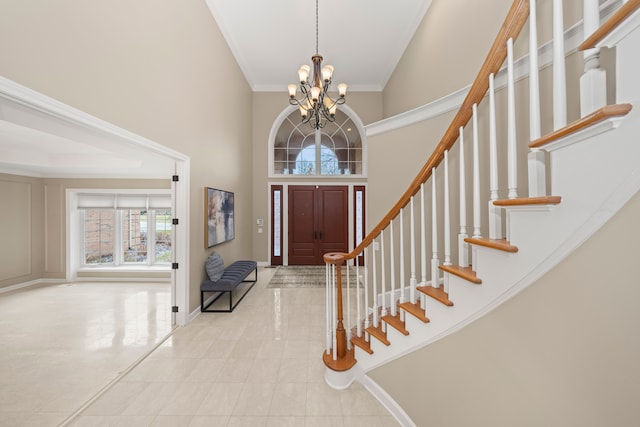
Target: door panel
pixel 333 226
pixel 317 223
pixel 302 225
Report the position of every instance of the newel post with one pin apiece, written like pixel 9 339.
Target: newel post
pixel 593 83
pixel 341 358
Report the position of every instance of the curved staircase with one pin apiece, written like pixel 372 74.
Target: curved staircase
pixel 447 253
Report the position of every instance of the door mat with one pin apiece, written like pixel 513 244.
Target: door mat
pixel 304 276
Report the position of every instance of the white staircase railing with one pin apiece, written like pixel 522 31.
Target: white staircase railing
pixel 380 285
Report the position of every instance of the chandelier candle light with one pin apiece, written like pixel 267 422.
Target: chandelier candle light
pixel 316 106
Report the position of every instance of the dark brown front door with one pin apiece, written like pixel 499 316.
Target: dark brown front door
pixel 317 222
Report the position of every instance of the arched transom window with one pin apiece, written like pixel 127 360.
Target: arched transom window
pixel 335 149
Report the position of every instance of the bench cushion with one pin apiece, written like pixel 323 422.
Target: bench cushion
pixel 233 275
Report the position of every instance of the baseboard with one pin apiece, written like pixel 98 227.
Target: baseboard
pixel 385 399
pixel 197 311
pixel 123 279
pixel 32 283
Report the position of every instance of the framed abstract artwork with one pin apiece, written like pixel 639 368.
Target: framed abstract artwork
pixel 219 216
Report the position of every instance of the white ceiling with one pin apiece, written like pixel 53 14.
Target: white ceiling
pixel 362 39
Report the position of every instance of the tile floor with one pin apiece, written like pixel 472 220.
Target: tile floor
pixel 62 344
pixel 258 366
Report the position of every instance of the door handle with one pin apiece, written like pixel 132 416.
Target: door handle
pixel 321 235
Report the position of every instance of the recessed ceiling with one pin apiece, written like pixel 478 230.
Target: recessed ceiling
pixel 44 138
pixel 362 39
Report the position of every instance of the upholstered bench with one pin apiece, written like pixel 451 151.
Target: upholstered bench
pixel 224 280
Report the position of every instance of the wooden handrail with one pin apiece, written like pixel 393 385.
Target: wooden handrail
pixel 513 24
pixel 612 23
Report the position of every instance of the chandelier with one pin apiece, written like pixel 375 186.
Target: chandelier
pixel 316 106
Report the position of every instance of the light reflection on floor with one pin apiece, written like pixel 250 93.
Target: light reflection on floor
pixel 260 365
pixel 61 344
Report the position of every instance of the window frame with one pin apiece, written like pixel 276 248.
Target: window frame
pixel 277 164
pixel 118 241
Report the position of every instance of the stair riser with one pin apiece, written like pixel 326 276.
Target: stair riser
pixel 627 82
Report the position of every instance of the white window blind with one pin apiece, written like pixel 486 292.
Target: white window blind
pixel 123 201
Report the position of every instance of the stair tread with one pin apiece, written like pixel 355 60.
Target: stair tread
pixel 597 116
pixel 436 293
pixel 464 272
pixel 415 310
pixel 526 201
pixel 362 343
pixel 396 323
pixel 500 244
pixel 378 333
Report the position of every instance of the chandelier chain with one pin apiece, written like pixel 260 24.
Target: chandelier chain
pixel 316 105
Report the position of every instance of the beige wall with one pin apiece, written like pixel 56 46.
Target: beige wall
pixel 445 53
pixel 267 106
pixel 21 229
pixel 34 224
pixel 451 44
pixel 54 221
pixel 160 69
pixel 564 352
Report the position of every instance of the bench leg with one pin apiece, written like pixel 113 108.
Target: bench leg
pixel 203 308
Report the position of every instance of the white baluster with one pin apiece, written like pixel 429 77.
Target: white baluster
pixel 447 213
pixel 559 74
pixel 536 158
pixel 534 81
pixel 435 261
pixel 476 175
pixel 463 247
pixel 334 298
pixel 423 239
pixel 358 299
pixel 412 279
pixel 593 83
pixel 374 294
pixel 512 159
pixel 423 245
pixel 402 278
pixel 366 289
pixel 495 213
pixel 392 262
pixel 329 305
pixel 383 276
pixel 447 221
pixel 348 289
